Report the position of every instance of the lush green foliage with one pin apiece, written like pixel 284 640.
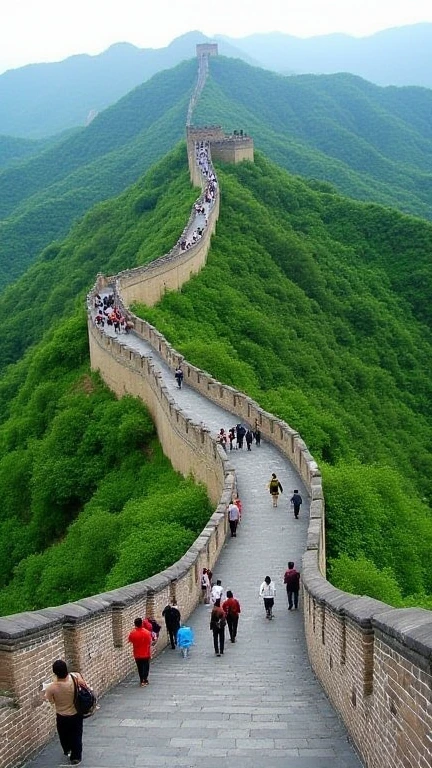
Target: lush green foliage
pixel 88 500
pixel 308 303
pixel 41 197
pixel 114 235
pixel 373 143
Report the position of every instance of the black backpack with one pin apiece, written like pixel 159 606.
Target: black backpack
pixel 84 699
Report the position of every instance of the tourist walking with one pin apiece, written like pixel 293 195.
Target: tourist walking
pixel 185 640
pixel 268 592
pixel 257 436
pixel 231 437
pixel 232 611
pixel 233 518
pixel 249 439
pixel 292 583
pixel 274 487
pixel 296 501
pixel 172 618
pixel 69 722
pixel 222 439
pixel 217 591
pixel 240 433
pixel 178 375
pixel 205 586
pixel 217 626
pixel 141 639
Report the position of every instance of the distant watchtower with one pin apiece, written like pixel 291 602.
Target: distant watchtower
pixel 207 49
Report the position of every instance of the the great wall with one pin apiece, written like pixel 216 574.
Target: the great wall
pixel 373 661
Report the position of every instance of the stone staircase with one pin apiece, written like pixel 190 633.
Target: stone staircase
pixel 258 704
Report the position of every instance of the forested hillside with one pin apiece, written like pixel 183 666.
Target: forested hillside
pixel 372 143
pixel 42 197
pixel 316 305
pixel 79 470
pixel 39 100
pixel 397 56
pixel 319 308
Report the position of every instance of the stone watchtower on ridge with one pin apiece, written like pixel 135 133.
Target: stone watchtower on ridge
pixel 207 49
pixel 229 148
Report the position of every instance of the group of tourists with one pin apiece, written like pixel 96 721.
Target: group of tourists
pixel 237 436
pixel 275 487
pixel 203 205
pixel 107 312
pixel 292 584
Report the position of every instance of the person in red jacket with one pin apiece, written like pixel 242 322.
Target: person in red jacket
pixel 232 610
pixel 141 640
pixel 292 583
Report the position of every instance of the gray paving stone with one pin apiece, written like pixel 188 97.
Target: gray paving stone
pixel 258 705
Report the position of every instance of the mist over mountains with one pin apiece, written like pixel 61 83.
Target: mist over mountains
pixel 398 56
pixel 42 99
pixel 39 100
pixel 371 143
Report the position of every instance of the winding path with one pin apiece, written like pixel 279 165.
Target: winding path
pixel 259 704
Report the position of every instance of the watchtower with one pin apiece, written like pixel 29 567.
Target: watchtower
pixel 207 49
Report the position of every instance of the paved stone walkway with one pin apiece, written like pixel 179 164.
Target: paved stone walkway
pixel 259 704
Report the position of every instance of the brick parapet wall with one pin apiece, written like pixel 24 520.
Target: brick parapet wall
pixel 373 661
pixel 91 634
pixel 375 665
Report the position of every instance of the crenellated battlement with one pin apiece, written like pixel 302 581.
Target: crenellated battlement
pixel 373 661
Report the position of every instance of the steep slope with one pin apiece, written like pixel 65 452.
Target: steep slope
pixel 42 99
pixel 308 304
pixel 373 143
pixel 39 199
pixel 14 150
pixel 398 56
pixel 79 470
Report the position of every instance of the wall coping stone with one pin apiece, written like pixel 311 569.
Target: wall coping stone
pixel 410 626
pixel 25 624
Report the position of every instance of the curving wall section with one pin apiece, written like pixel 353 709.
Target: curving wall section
pixel 375 662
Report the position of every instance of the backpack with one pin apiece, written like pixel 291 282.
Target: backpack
pixel 84 699
pixel 220 623
pixel 274 486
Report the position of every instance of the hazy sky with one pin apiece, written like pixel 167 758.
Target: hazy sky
pixel 51 30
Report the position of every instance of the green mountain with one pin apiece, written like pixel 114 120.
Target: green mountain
pixel 398 56
pixel 80 470
pixel 39 100
pixel 42 197
pixel 14 150
pixel 316 305
pixel 372 143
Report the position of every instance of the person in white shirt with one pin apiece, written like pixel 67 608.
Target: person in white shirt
pixel 233 518
pixel 268 592
pixel 217 592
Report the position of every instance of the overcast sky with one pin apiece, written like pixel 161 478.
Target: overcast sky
pixel 50 30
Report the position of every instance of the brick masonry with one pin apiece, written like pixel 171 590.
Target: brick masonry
pixel 373 661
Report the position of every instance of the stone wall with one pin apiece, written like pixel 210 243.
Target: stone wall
pixel 233 149
pixel 91 634
pixel 373 661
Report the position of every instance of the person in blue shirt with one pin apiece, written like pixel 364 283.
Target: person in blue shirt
pixel 185 640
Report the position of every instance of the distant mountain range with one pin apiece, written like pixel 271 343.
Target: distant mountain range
pixel 369 142
pixel 39 100
pixel 398 56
